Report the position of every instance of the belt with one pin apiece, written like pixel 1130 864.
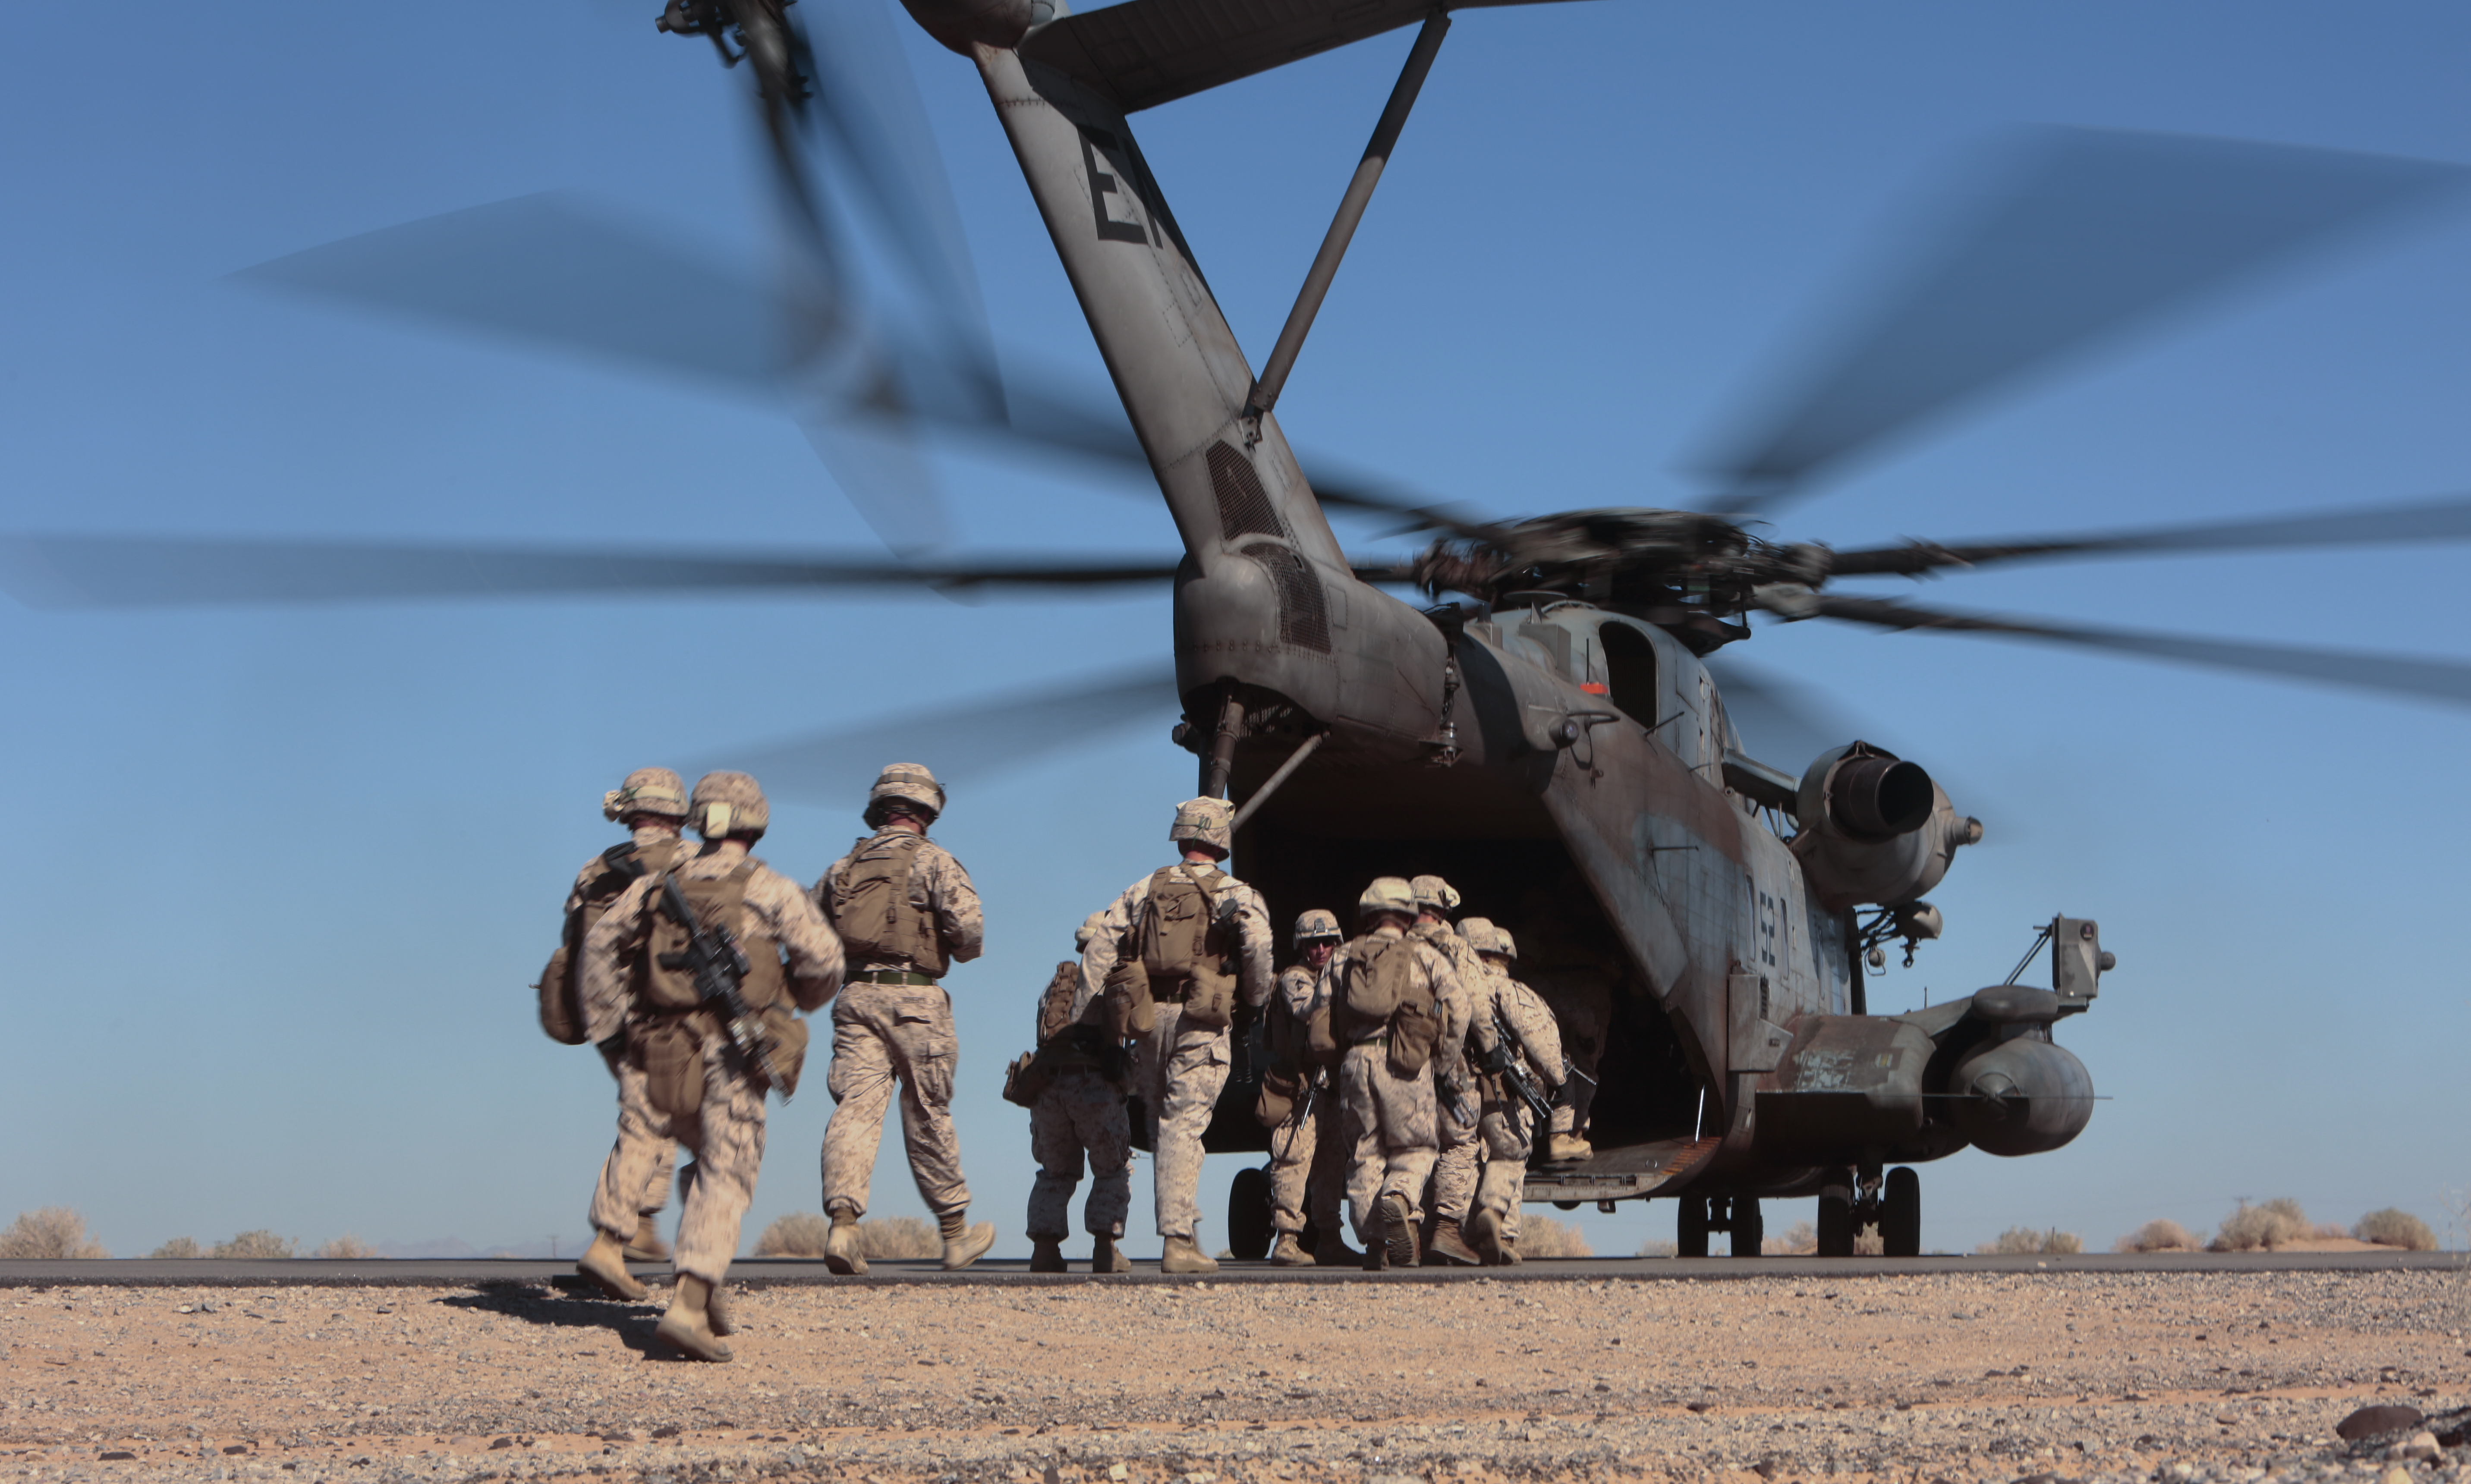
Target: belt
pixel 889 977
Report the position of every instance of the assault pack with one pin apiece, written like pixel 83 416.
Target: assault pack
pixel 872 911
pixel 672 1015
pixel 1185 946
pixel 561 982
pixel 1381 988
pixel 1066 1042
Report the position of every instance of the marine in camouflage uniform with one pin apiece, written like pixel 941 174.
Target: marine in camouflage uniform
pixel 1504 1132
pixel 907 910
pixel 1181 1062
pixel 652 805
pixel 1453 1083
pixel 679 1073
pixel 1308 1151
pixel 1386 1079
pixel 1080 1112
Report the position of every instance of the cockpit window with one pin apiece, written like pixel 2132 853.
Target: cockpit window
pixel 1630 672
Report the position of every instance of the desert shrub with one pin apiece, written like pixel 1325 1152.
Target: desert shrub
pixel 179 1247
pixel 798 1234
pixel 1542 1237
pixel 1655 1249
pixel 257 1244
pixel 1798 1241
pixel 347 1246
pixel 2277 1223
pixel 899 1237
pixel 53 1232
pixel 2161 1235
pixel 2019 1241
pixel 2393 1227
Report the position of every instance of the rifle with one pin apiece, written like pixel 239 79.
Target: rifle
pixel 1503 1063
pixel 718 966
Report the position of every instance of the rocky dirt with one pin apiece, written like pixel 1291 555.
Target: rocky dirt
pixel 2175 1378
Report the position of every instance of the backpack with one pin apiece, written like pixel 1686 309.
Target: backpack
pixel 871 910
pixel 560 986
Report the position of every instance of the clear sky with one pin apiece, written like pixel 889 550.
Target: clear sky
pixel 284 875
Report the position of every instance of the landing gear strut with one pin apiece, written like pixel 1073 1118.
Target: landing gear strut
pixel 1701 1215
pixel 1855 1198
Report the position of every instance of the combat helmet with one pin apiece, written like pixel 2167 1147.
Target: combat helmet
pixel 1317 927
pixel 729 806
pixel 1486 939
pixel 1387 894
pixel 1435 895
pixel 647 791
pixel 1204 822
pixel 911 783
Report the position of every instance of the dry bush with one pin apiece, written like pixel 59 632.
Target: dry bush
pixel 2277 1223
pixel 800 1234
pixel 1800 1240
pixel 1542 1237
pixel 899 1237
pixel 347 1246
pixel 179 1247
pixel 2022 1240
pixel 256 1245
pixel 2161 1235
pixel 1655 1249
pixel 53 1232
pixel 1869 1243
pixel 2393 1227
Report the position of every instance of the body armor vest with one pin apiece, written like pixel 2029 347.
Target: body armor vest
pixel 717 902
pixel 872 910
pixel 561 983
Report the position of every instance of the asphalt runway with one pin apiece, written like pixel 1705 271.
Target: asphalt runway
pixel 482 1272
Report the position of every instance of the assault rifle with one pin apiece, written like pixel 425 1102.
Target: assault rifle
pixel 713 958
pixel 1503 1062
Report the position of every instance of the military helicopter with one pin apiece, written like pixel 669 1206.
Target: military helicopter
pixel 1552 738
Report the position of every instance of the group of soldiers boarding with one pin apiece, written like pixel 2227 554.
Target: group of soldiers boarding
pixel 1405 1065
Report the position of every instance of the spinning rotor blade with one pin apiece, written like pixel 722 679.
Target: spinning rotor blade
pixel 2442 680
pixel 2436 520
pixel 2086 236
pixel 965 743
pixel 120 572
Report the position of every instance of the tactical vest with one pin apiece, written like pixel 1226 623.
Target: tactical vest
pixel 561 983
pixel 1178 932
pixel 1068 1042
pixel 717 902
pixel 872 911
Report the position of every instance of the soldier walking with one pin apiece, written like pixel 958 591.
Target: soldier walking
pixel 1453 1085
pixel 682 1073
pixel 1308 1149
pixel 653 806
pixel 1510 1030
pixel 1080 1110
pixel 1201 939
pixel 906 912
pixel 1386 992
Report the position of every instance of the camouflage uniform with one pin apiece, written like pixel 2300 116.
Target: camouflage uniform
pixel 656 850
pixel 1308 1152
pixel 1080 1111
pixel 1506 1139
pixel 887 1032
pixel 1393 1117
pixel 726 1135
pixel 1454 1088
pixel 1178 1069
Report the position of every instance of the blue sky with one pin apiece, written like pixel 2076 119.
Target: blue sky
pixel 284 875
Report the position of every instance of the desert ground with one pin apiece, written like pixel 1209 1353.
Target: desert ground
pixel 1917 1378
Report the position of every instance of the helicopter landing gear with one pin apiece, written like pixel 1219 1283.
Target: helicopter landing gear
pixel 1853 1199
pixel 1248 1215
pixel 1701 1215
pixel 1900 1214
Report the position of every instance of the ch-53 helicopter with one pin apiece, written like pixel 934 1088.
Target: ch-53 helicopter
pixel 1551 738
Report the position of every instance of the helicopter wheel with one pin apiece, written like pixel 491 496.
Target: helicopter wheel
pixel 1690 1228
pixel 1748 1227
pixel 1248 1215
pixel 1836 1219
pixel 1900 1214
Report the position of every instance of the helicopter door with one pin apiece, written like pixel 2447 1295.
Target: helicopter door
pixel 1630 672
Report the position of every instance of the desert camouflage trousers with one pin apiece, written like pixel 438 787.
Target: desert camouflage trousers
pixel 726 1138
pixel 1582 1002
pixel 1308 1163
pixel 1503 1140
pixel 1178 1071
pixel 1454 1166
pixel 1080 1111
pixel 1395 1138
pixel 884 1034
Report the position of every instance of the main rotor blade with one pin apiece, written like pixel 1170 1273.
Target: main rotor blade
pixel 136 571
pixel 2442 680
pixel 962 744
pixel 2436 520
pixel 2083 236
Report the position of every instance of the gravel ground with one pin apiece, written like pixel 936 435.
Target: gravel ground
pixel 2174 1377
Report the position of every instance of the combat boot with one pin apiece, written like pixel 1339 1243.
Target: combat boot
pixel 604 1262
pixel 1289 1252
pixel 843 1253
pixel 687 1325
pixel 1106 1257
pixel 716 1309
pixel 1397 1230
pixel 645 1245
pixel 1332 1251
pixel 1484 1234
pixel 1045 1254
pixel 1447 1247
pixel 964 1243
pixel 1184 1256
pixel 1567 1149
